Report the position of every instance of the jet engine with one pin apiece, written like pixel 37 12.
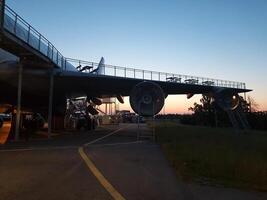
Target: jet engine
pixel 95 100
pixel 227 100
pixel 147 98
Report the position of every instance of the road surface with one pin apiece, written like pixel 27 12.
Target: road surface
pixel 116 166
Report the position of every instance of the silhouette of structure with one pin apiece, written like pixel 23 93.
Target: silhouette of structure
pixel 40 78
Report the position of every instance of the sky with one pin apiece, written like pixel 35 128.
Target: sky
pixel 224 39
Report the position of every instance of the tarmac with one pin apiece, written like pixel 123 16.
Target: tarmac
pixel 108 163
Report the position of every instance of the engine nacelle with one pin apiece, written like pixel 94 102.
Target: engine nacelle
pixel 147 98
pixel 227 100
pixel 95 100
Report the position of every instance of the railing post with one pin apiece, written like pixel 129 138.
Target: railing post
pixel 52 53
pixel 28 36
pixel 15 24
pixel 151 76
pixel 48 50
pixel 39 43
pixel 124 72
pixel 134 73
pixel 62 62
pixel 57 57
pixel 143 74
pixel 114 70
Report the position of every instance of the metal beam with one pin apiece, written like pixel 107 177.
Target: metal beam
pixel 17 46
pixel 50 106
pixel 18 113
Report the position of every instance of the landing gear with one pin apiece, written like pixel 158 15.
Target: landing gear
pixel 88 123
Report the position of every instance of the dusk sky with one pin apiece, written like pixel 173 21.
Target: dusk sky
pixel 224 39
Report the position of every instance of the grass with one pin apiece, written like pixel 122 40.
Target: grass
pixel 216 155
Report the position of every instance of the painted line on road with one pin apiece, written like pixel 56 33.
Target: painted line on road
pixel 103 181
pixel 105 136
pixel 38 148
pixel 99 176
pixel 117 144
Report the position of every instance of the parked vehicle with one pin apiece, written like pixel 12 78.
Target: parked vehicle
pixel 5 117
pixel 32 121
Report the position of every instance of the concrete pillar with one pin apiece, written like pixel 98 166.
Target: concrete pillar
pixel 18 113
pixel 50 103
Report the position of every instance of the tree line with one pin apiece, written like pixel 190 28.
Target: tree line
pixel 208 113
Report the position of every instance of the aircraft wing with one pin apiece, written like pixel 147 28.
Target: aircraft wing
pixel 76 83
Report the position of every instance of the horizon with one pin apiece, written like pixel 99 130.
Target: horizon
pixel 208 36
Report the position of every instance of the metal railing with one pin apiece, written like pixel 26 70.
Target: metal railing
pixel 117 71
pixel 16 25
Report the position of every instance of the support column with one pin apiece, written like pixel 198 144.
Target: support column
pixel 216 118
pixel 50 103
pixel 18 113
pixel 106 108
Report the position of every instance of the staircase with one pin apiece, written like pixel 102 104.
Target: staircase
pixel 238 118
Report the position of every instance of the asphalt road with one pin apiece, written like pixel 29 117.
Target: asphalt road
pixel 44 169
pixel 48 169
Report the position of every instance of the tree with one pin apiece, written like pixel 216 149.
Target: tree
pixel 253 106
pixel 207 105
pixel 207 112
pixel 197 108
pixel 204 113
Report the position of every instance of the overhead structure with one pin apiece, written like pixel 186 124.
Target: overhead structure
pixel 74 78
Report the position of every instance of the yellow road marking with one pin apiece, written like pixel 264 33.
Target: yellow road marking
pixel 117 144
pixel 101 138
pixel 102 180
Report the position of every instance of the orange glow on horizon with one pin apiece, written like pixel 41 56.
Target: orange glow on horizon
pixel 173 104
pixel 180 104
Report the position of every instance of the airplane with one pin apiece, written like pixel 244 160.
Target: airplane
pixel 26 56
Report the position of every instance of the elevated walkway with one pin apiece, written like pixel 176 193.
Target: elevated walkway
pixel 126 72
pixel 21 39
